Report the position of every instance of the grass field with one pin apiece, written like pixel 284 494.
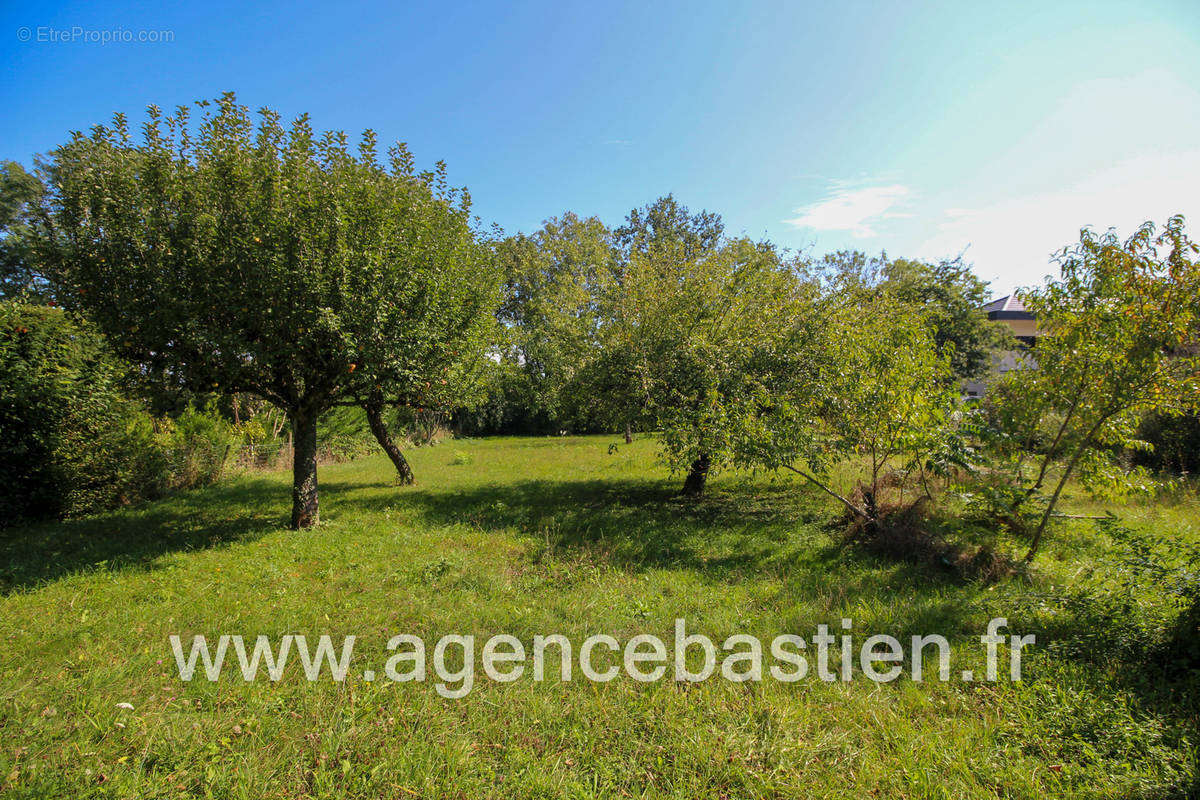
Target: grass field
pixel 537 536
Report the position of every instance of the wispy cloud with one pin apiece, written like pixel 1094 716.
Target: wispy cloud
pixel 616 142
pixel 852 209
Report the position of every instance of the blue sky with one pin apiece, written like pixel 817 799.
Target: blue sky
pixel 924 129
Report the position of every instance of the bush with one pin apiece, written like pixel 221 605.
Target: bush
pixel 71 442
pixel 109 456
pixel 197 445
pixel 1175 441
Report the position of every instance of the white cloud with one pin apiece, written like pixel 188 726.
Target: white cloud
pixel 1010 241
pixel 853 210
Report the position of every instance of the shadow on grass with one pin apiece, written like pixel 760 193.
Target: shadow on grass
pixel 731 532
pixel 137 536
pixel 634 523
pixel 1135 652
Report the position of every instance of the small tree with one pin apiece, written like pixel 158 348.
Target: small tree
pixel 225 257
pixel 635 326
pixel 423 350
pixel 661 320
pixel 664 343
pixel 1121 332
pixel 865 382
pixel 706 341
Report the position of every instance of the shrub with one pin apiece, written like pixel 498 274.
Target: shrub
pixel 197 444
pixel 1175 441
pixel 72 442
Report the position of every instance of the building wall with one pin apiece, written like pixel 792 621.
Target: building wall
pixel 1010 360
pixel 1022 327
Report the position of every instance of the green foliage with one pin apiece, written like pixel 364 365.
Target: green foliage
pixel 1174 442
pixel 729 348
pixel 949 295
pixel 509 404
pixel 227 257
pixel 198 444
pixel 657 325
pixel 713 338
pixel 1100 728
pixel 1120 342
pixel 1126 607
pixel 865 378
pixel 72 442
pixel 75 439
pixel 552 319
pixel 582 307
pixel 888 392
pixel 20 198
pixel 667 229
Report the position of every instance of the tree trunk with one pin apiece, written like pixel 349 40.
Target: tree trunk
pixel 404 472
pixel 304 470
pixel 694 485
pixel 628 434
pixel 1037 534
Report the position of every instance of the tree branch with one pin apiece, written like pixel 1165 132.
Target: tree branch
pixel 853 508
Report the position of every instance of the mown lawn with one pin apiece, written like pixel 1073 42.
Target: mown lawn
pixel 539 536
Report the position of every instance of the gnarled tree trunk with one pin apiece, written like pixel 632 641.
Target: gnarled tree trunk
pixel 304 469
pixel 693 486
pixel 374 409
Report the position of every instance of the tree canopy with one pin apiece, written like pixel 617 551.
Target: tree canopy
pixel 228 256
pixel 949 295
pixel 20 197
pixel 1121 339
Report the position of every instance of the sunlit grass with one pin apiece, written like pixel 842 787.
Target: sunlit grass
pixel 538 536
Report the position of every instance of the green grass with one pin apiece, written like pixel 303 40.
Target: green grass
pixel 529 536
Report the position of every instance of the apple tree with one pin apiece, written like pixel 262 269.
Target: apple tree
pixel 223 255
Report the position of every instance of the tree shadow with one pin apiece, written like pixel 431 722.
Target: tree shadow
pixel 137 536
pixel 636 524
pixel 733 531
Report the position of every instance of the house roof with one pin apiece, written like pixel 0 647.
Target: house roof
pixel 1007 307
pixel 1009 302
